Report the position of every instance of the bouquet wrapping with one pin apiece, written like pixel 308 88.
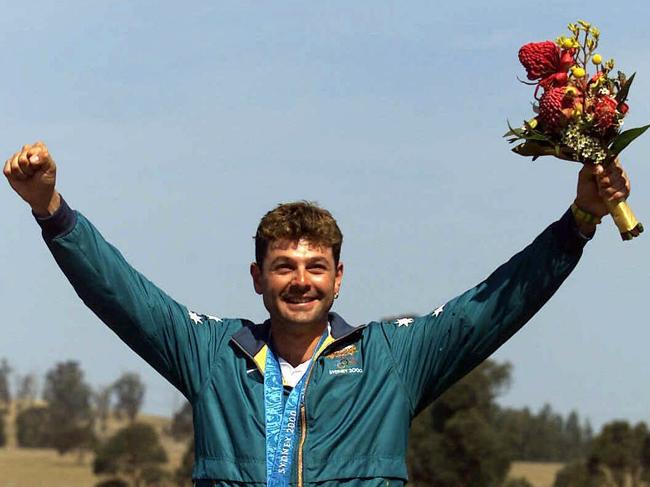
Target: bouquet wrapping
pixel 578 115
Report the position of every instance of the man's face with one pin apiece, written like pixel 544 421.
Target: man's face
pixel 297 281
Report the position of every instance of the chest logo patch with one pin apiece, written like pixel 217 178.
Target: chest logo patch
pixel 344 352
pixel 344 361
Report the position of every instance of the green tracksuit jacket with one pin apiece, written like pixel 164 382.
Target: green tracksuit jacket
pixel 367 382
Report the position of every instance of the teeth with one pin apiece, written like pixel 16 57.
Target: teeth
pixel 298 300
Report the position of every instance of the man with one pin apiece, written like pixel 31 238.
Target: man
pixel 304 397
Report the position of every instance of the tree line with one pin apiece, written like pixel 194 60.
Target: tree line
pixel 71 417
pixel 464 439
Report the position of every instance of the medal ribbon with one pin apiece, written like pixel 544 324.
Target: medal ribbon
pixel 282 422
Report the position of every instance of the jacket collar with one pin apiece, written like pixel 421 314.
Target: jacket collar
pixel 253 339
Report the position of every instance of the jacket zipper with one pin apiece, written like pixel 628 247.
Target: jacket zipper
pixel 303 435
pixel 303 427
pixel 303 411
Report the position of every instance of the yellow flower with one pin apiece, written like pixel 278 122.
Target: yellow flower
pixel 595 32
pixel 585 25
pixel 532 123
pixel 573 28
pixel 578 72
pixel 567 42
pixel 597 59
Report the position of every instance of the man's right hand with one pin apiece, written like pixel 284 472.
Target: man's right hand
pixel 32 174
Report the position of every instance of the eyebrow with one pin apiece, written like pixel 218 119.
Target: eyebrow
pixel 311 260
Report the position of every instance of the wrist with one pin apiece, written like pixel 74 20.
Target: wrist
pixel 50 208
pixel 585 221
pixel 583 216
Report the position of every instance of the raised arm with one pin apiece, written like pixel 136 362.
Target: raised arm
pixel 434 351
pixel 179 343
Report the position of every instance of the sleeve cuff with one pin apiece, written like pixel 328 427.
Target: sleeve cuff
pixel 567 232
pixel 58 224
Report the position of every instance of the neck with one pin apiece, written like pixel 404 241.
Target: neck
pixel 296 345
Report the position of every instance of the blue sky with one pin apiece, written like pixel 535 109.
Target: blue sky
pixel 175 128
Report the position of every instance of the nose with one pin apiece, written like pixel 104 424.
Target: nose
pixel 300 279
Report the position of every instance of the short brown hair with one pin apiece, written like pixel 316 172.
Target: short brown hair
pixel 295 221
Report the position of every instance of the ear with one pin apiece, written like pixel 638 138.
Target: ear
pixel 256 274
pixel 338 278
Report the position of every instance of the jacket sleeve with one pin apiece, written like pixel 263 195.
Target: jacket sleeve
pixel 432 352
pixel 177 342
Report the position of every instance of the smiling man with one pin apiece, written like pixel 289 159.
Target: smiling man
pixel 304 398
pixel 298 273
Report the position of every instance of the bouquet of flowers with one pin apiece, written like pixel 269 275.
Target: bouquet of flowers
pixel 578 115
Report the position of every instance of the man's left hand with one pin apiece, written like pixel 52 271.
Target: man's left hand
pixel 597 184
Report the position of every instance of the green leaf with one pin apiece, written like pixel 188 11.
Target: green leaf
pixel 537 136
pixel 530 148
pixel 622 140
pixel 621 96
pixel 516 132
pixel 535 149
pixel 525 134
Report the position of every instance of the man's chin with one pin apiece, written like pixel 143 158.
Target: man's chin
pixel 303 319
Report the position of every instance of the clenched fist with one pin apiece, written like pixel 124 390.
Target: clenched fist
pixel 32 174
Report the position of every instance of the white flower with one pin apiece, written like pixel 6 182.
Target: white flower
pixel 585 146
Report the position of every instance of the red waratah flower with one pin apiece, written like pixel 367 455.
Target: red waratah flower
pixel 541 59
pixel 604 113
pixel 566 60
pixel 557 79
pixel 553 108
